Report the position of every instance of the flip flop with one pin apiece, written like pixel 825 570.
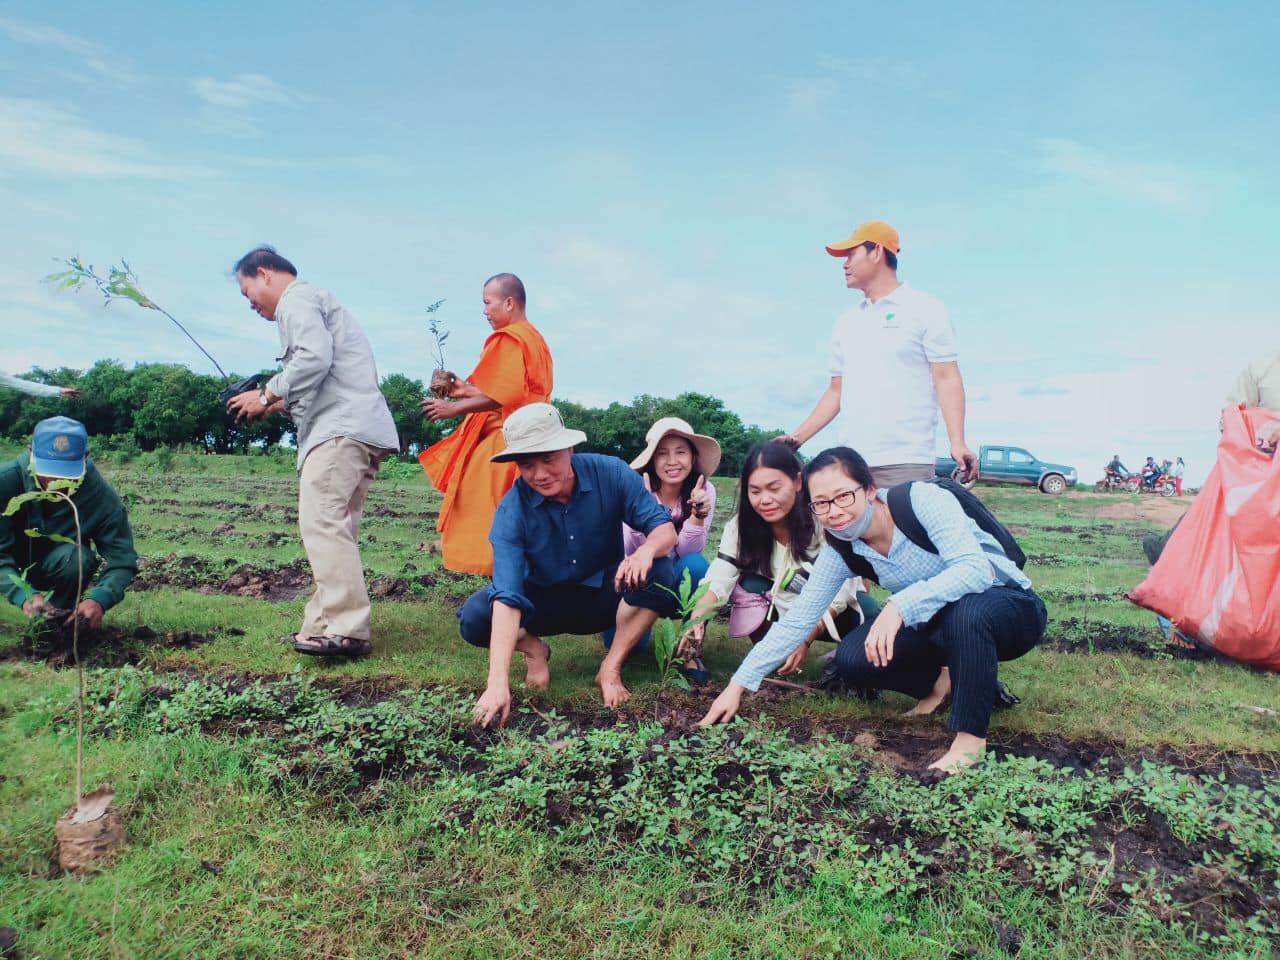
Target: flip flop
pixel 334 646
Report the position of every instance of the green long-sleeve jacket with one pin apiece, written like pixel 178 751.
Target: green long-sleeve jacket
pixel 104 525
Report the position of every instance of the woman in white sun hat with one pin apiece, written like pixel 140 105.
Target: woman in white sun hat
pixel 676 466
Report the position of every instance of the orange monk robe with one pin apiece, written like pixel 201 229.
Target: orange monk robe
pixel 514 370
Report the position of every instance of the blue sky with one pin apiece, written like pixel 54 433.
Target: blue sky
pixel 1090 188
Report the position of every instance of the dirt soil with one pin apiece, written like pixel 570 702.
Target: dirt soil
pixel 1164 511
pixel 287 582
pixel 1103 637
pixel 107 647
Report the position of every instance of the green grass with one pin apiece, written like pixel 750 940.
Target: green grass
pixel 301 865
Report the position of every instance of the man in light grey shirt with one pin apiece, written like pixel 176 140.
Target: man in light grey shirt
pixel 33 389
pixel 329 388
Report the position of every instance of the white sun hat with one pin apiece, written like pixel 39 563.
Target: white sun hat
pixel 707 448
pixel 536 428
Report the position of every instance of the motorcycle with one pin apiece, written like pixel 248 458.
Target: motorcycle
pixel 1113 482
pixel 1163 484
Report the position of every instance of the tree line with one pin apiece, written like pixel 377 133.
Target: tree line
pixel 154 405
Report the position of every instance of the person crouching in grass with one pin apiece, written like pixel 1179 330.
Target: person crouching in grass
pixel 558 563
pixel 55 568
pixel 953 615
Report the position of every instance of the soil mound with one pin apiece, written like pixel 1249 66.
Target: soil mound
pixel 108 647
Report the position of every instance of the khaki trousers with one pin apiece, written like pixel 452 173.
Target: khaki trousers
pixel 331 493
pixel 892 474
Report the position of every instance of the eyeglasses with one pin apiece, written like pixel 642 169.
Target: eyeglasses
pixel 841 500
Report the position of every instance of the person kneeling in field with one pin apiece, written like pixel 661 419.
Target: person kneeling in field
pixel 55 569
pixel 955 611
pixel 558 564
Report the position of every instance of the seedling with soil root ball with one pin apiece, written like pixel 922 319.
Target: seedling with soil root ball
pixel 442 381
pixel 92 831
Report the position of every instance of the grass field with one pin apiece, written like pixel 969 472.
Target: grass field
pixel 281 807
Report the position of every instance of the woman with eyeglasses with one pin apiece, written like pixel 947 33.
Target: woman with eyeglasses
pixel 953 615
pixel 765 556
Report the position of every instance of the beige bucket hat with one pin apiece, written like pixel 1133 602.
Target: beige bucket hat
pixel 707 448
pixel 536 428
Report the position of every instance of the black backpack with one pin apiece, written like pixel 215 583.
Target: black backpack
pixel 905 519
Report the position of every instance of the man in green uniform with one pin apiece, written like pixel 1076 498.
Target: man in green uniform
pixel 54 568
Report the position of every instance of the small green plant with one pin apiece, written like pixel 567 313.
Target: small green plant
pixel 439 333
pixel 60 491
pixel 666 633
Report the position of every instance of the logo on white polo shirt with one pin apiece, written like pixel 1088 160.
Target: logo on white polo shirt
pixel 891 320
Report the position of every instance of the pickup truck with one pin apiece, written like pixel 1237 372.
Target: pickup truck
pixel 1001 464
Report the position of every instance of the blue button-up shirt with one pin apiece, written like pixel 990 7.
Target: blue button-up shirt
pixel 547 543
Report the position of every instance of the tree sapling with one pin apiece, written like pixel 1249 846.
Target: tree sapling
pixel 92 831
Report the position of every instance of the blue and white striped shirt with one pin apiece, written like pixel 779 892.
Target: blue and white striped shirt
pixel 969 560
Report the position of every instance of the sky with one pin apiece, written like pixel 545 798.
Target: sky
pixel 1090 188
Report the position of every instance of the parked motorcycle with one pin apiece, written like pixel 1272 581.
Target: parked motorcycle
pixel 1112 482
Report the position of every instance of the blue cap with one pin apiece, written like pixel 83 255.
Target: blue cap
pixel 59 446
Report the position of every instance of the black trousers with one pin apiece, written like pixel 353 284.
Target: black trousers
pixel 572 608
pixel 969 636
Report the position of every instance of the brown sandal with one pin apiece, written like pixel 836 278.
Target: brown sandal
pixel 334 646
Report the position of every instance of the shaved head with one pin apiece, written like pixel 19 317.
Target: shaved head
pixel 507 285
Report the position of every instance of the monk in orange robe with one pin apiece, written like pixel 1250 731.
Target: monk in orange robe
pixel 514 370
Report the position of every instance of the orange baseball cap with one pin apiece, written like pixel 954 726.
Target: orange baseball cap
pixel 873 231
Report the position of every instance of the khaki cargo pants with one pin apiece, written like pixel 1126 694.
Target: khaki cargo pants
pixel 331 493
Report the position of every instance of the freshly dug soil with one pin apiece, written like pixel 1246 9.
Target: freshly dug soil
pixel 108 647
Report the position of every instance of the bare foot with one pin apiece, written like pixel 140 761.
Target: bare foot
pixel 537 670
pixel 610 684
pixel 965 751
pixel 941 688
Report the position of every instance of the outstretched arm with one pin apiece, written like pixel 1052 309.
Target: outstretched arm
pixel 825 411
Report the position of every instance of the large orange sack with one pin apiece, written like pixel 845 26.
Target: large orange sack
pixel 1218 578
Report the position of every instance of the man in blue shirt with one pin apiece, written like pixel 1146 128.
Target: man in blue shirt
pixel 558 563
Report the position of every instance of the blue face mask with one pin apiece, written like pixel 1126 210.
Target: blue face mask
pixel 856 529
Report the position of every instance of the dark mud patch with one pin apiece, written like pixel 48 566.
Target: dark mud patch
pixel 1045 560
pixel 289 581
pixel 420 586
pixel 190 572
pixel 107 647
pixel 381 512
pixel 1100 637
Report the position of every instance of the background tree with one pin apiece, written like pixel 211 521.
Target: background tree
pixel 404 397
pixel 163 404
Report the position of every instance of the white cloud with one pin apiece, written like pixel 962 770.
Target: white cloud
pixel 91 55
pixel 230 105
pixel 1157 184
pixel 244 91
pixel 43 136
pixel 902 74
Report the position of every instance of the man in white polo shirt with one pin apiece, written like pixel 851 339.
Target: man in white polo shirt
pixel 893 366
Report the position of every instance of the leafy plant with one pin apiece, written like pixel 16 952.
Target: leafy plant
pixel 666 633
pixel 120 283
pixel 438 333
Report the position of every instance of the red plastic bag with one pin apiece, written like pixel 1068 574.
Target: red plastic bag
pixel 1218 578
